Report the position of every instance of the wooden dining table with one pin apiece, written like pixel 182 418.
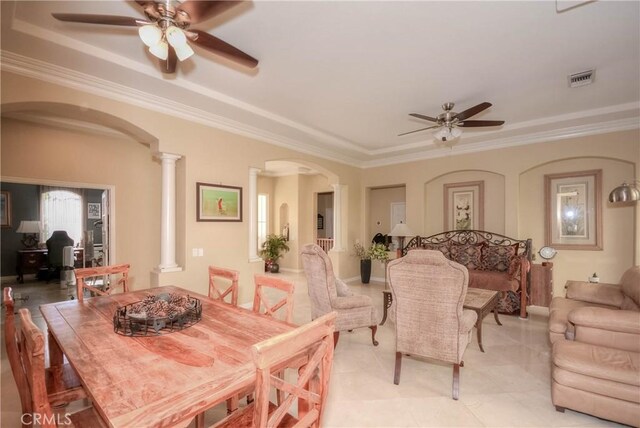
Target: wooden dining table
pixel 156 380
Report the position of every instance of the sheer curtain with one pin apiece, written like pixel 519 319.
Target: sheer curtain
pixel 61 209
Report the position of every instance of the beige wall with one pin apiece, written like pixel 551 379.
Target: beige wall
pixel 208 155
pixel 616 153
pixel 44 153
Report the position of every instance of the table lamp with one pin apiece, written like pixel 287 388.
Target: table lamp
pixel 400 230
pixel 31 230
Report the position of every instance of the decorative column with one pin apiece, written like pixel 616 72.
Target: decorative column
pixel 168 218
pixel 253 214
pixel 337 217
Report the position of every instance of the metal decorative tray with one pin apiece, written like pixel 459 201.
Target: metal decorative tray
pixel 157 314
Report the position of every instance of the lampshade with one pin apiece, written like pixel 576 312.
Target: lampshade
pixel 175 36
pixel 150 34
pixel 401 229
pixel 27 226
pixel 161 50
pixel 624 193
pixel 446 134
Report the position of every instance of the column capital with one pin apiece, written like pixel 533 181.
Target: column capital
pixel 254 171
pixel 167 156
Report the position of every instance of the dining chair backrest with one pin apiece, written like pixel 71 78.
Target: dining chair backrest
pixel 218 278
pixel 313 342
pixel 86 278
pixel 13 353
pixel 262 303
pixel 31 350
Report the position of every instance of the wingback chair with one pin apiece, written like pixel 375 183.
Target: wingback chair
pixel 55 244
pixel 429 291
pixel 328 293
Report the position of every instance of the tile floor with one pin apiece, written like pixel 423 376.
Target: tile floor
pixel 507 386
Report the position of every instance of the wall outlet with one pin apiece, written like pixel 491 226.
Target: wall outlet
pixel 194 252
pixel 200 252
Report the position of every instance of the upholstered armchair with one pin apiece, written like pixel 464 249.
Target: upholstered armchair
pixel 429 292
pixel 55 245
pixel 595 333
pixel 328 293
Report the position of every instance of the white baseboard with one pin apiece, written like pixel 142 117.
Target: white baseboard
pixel 352 279
pixel 538 310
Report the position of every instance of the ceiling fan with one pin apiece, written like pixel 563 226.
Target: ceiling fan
pixel 167 30
pixel 449 122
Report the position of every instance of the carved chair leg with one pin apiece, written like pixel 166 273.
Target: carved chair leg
pixel 336 336
pixel 396 375
pixel 560 409
pixel 456 381
pixel 374 328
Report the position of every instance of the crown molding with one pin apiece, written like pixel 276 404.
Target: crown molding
pixel 32 30
pixel 51 73
pixel 520 140
pixel 36 69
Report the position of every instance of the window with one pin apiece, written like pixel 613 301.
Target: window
pixel 62 210
pixel 263 209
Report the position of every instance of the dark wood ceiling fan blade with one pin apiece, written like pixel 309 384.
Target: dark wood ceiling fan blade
pixel 422 116
pixel 474 123
pixel 126 21
pixel 168 65
pixel 220 47
pixel 472 111
pixel 200 10
pixel 418 130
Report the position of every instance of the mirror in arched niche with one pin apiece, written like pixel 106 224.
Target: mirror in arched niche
pixel 284 220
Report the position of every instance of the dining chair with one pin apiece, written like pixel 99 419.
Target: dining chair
pixel 429 291
pixel 262 303
pixel 29 367
pixel 68 388
pixel 314 343
pixel 87 278
pixel 217 278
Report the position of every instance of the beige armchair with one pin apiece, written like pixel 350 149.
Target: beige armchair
pixel 596 369
pixel 328 293
pixel 429 292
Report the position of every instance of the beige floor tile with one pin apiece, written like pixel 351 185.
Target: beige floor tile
pixel 369 413
pixel 441 412
pixel 501 410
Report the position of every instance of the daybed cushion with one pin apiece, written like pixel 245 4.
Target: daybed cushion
pixel 490 280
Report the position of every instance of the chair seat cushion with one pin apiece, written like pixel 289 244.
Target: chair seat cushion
pixel 597 362
pixel 492 280
pixel 605 372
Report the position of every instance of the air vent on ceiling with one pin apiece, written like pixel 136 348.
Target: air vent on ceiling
pixel 582 78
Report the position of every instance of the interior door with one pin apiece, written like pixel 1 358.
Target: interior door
pixel 398 215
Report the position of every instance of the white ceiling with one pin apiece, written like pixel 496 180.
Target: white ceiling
pixel 338 79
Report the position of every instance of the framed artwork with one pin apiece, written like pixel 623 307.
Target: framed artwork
pixel 93 211
pixel 464 206
pixel 320 222
pixel 5 209
pixel 218 203
pixel 573 210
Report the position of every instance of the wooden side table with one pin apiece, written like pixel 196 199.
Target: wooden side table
pixel 482 302
pixel 541 284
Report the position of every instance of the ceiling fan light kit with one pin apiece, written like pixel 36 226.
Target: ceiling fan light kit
pixel 167 30
pixel 450 122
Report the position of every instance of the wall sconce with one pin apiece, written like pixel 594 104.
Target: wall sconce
pixel 625 193
pixel 31 230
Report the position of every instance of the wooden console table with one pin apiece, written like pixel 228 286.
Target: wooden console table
pixel 31 261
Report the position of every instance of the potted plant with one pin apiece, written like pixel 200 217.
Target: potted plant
pixel 375 252
pixel 273 248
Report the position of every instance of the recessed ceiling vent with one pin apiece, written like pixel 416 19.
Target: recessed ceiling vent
pixel 581 79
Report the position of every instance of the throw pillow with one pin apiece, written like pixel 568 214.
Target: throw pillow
pixel 443 248
pixel 497 257
pixel 514 268
pixel 467 254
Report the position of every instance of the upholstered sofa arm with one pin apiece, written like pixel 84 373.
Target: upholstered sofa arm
pixel 469 319
pixel 610 328
pixel 603 294
pixel 350 302
pixel 613 320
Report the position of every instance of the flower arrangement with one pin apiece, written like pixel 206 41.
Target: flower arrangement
pixel 374 252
